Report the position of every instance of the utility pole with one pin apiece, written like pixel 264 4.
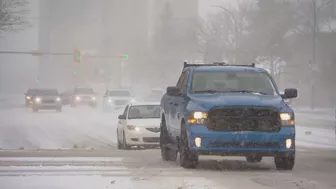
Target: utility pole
pixel 313 62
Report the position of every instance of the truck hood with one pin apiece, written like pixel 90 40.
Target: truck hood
pixel 206 101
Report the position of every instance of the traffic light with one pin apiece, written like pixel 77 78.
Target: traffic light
pixel 77 56
pixel 125 57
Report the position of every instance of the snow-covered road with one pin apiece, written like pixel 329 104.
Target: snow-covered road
pixel 79 130
pixel 89 128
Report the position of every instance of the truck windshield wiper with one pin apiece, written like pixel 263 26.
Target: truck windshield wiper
pixel 246 91
pixel 207 91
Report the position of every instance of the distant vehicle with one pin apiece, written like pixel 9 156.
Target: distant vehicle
pixel 116 98
pixel 227 110
pixel 46 99
pixel 155 95
pixel 139 125
pixel 84 96
pixel 28 97
pixel 67 97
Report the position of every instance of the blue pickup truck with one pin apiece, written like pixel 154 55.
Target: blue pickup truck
pixel 227 110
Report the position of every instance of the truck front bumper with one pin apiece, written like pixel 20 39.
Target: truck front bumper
pixel 206 142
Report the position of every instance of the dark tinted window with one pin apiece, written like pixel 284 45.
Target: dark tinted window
pixel 47 92
pixel 119 93
pixel 144 112
pixel 84 91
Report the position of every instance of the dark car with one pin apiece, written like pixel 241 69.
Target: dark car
pixel 46 99
pixel 227 110
pixel 28 96
pixel 84 96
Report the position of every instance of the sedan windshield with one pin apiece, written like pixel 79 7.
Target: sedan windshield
pixel 224 81
pixel 144 112
pixel 119 93
pixel 84 91
pixel 47 92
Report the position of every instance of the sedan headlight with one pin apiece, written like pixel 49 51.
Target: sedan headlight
pixel 28 97
pixel 37 100
pixel 58 99
pixel 287 119
pixel 133 128
pixel 198 117
pixel 78 98
pixel 93 98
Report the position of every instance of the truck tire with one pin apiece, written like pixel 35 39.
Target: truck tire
pixel 167 154
pixel 254 159
pixel 187 159
pixel 284 163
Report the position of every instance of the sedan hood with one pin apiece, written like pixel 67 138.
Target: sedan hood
pixel 144 122
pixel 207 101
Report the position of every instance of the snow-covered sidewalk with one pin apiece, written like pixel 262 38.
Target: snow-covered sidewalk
pixel 315 137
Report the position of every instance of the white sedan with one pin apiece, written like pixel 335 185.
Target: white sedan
pixel 139 125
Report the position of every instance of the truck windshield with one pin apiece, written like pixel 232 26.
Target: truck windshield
pixel 224 81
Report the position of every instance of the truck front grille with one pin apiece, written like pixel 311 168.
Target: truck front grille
pixel 244 118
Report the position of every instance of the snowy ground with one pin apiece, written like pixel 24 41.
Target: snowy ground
pixel 79 129
pixel 85 127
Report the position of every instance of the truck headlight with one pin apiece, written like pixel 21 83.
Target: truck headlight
pixel 37 100
pixel 287 119
pixel 198 117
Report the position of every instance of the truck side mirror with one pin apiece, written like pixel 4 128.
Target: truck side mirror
pixel 173 91
pixel 289 93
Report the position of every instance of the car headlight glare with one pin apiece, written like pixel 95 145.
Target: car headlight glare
pixel 109 100
pixel 133 128
pixel 38 100
pixel 28 97
pixel 285 116
pixel 58 99
pixel 287 119
pixel 93 98
pixel 78 98
pixel 200 115
pixel 198 118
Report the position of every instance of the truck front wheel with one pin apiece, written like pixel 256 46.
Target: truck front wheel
pixel 167 154
pixel 187 159
pixel 284 163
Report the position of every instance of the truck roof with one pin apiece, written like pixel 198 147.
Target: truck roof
pixel 227 68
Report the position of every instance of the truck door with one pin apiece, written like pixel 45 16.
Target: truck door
pixel 177 106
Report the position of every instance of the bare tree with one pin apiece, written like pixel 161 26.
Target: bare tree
pixel 12 15
pixel 222 37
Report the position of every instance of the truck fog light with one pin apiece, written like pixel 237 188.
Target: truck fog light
pixel 288 143
pixel 198 141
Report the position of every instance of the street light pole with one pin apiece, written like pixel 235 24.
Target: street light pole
pixel 236 27
pixel 313 62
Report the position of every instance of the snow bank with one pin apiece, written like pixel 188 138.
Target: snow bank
pixel 103 182
pixel 315 137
